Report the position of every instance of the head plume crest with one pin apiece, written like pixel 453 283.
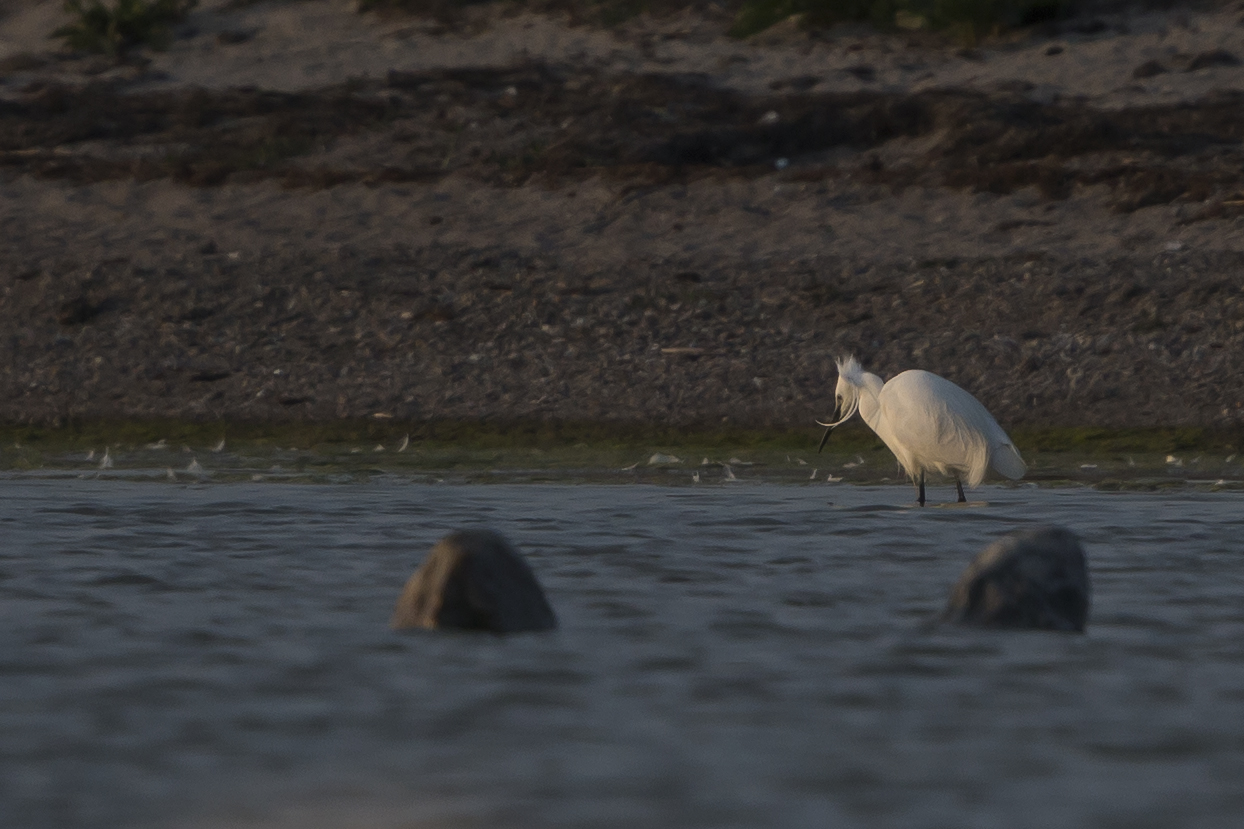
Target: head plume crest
pixel 850 370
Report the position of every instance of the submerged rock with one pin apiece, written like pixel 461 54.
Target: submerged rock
pixel 474 580
pixel 1035 579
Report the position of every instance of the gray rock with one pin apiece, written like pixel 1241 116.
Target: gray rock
pixel 1035 579
pixel 474 580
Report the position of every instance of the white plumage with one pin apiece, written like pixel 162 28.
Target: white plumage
pixel 928 422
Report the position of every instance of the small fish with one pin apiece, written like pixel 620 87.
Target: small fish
pixel 194 468
pixel 729 473
pixel 106 461
pixel 812 477
pixel 695 476
pixel 220 447
pixel 405 443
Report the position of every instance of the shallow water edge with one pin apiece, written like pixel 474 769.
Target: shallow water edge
pixel 343 451
pixel 751 655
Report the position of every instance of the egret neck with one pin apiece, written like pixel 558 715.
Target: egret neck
pixel 868 404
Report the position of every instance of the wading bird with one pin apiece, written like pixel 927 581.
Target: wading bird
pixel 928 423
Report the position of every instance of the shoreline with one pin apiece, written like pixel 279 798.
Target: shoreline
pixel 853 435
pixel 533 452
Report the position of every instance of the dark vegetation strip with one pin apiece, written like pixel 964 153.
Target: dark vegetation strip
pixel 554 123
pixel 114 27
pixel 969 19
pixel 490 434
pixel 501 434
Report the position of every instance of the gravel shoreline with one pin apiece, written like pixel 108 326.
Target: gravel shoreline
pixel 490 334
pixel 565 243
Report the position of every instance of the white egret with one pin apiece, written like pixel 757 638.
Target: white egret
pixel 928 423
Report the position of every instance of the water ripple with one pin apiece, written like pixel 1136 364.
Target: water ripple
pixel 752 655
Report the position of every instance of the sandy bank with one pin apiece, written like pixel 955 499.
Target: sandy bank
pixel 325 215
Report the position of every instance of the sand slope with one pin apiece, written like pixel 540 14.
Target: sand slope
pixel 552 235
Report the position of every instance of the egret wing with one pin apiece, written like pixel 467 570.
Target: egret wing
pixel 940 426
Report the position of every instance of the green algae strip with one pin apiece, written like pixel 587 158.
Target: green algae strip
pixel 534 451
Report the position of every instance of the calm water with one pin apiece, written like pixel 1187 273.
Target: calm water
pixel 739 655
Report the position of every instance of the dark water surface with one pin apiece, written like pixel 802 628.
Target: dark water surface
pixel 737 655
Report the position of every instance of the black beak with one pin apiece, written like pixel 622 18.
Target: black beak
pixel 824 438
pixel 828 429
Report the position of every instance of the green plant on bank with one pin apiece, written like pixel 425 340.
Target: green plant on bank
pixel 114 30
pixel 970 19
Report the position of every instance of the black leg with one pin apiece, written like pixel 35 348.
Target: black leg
pixel 959 486
pixel 920 498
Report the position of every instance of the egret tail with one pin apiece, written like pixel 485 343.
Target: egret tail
pixel 1006 461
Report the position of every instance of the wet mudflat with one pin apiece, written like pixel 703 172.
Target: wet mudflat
pixel 734 654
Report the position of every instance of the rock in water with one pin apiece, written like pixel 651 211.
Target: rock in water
pixel 474 580
pixel 1035 579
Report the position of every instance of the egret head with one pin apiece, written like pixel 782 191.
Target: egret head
pixel 846 395
pixel 847 392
